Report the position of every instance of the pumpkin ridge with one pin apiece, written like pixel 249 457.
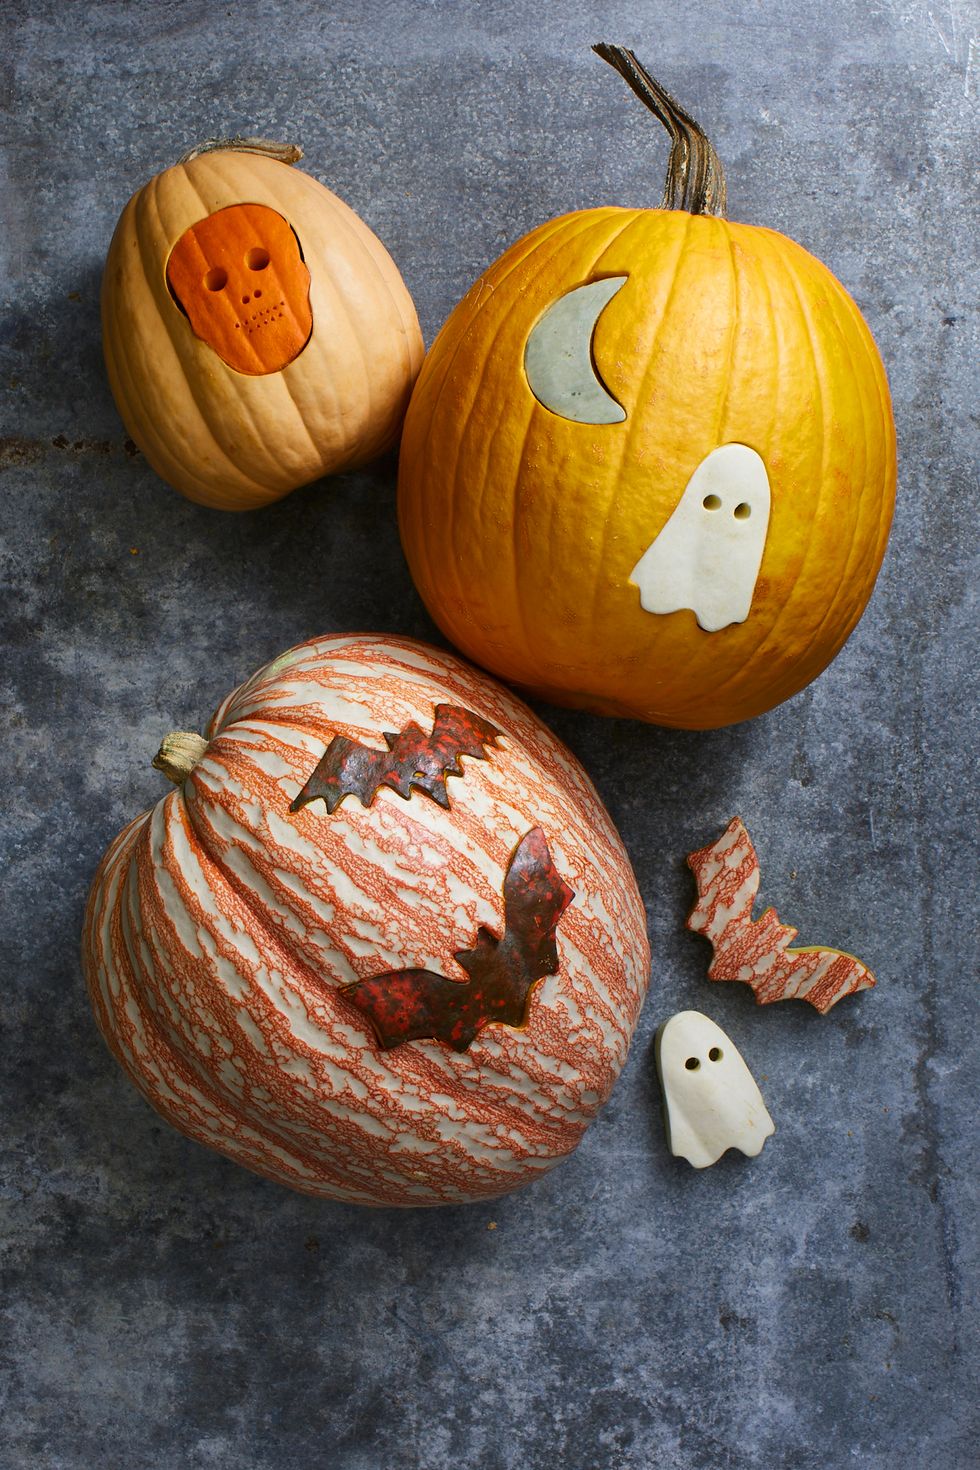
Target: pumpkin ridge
pixel 557 239
pixel 425 457
pixel 859 489
pixel 626 438
pixel 171 327
pixel 767 637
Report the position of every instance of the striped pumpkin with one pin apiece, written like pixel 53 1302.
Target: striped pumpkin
pixel 224 932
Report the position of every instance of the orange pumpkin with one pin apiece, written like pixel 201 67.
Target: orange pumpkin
pixel 257 334
pixel 649 464
pixel 392 968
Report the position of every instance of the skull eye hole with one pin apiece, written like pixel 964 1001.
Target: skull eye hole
pixel 711 502
pixel 257 259
pixel 692 1064
pixel 216 278
pixel 742 512
pixel 715 1054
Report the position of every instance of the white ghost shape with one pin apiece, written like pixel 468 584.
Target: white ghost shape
pixel 711 1100
pixel 707 556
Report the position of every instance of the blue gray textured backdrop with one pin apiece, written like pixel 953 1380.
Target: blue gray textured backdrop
pixel 808 1309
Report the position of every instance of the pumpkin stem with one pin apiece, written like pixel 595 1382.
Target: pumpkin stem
pixel 179 754
pixel 695 178
pixel 282 152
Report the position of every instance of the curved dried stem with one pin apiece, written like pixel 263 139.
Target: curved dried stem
pixel 282 152
pixel 695 178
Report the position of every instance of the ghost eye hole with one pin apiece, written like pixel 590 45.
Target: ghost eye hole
pixel 711 502
pixel 742 511
pixel 692 1064
pixel 257 259
pixel 216 278
pixel 715 1054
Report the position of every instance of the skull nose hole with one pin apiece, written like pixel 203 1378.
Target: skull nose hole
pixel 257 259
pixel 742 512
pixel 692 1064
pixel 256 294
pixel 715 1054
pixel 711 502
pixel 216 279
pixel 246 300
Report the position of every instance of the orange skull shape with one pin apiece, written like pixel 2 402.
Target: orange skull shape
pixel 242 282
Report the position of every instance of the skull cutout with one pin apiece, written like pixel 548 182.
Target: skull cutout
pixel 241 280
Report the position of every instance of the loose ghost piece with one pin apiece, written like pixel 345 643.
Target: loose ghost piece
pixel 558 361
pixel 757 951
pixel 711 1100
pixel 707 556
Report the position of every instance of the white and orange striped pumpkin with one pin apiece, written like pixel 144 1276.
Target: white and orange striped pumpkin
pixel 229 927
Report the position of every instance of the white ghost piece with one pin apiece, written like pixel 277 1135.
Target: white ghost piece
pixel 558 359
pixel 711 1100
pixel 707 556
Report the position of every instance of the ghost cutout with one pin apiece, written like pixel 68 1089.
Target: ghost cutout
pixel 711 1100
pixel 707 556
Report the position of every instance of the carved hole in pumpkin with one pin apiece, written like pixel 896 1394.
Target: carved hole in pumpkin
pixel 246 300
pixel 692 1064
pixel 257 259
pixel 216 278
pixel 715 1054
pixel 711 502
pixel 742 512
pixel 256 294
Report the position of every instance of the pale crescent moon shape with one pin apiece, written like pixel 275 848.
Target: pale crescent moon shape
pixel 558 356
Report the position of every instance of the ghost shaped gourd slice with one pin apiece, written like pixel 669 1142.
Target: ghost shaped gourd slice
pixel 711 1100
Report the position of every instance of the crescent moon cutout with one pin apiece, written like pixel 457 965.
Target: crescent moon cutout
pixel 558 359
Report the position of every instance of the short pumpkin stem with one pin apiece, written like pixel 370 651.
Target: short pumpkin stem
pixel 179 754
pixel 282 152
pixel 695 178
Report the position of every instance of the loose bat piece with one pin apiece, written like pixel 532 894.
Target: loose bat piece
pixel 757 951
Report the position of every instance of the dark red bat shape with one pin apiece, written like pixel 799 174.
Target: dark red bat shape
pixel 411 1005
pixel 413 758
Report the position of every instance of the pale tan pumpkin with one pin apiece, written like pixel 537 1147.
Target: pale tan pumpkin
pixel 223 429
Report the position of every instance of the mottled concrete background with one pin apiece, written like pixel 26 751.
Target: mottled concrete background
pixel 810 1309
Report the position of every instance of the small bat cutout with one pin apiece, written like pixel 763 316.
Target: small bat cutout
pixel 757 951
pixel 412 760
pixel 413 1005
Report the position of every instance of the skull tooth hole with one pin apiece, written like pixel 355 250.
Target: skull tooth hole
pixel 715 1054
pixel 692 1064
pixel 216 278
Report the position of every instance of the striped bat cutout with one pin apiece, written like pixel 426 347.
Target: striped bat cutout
pixel 757 951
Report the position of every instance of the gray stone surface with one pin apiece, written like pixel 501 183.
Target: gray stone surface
pixel 810 1309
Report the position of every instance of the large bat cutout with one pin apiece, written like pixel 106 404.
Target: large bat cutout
pixel 413 1005
pixel 757 951
pixel 413 759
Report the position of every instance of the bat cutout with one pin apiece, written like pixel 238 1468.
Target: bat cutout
pixel 415 1005
pixel 757 951
pixel 413 759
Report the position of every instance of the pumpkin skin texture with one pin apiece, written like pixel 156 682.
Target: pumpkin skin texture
pixel 222 928
pixel 225 426
pixel 523 528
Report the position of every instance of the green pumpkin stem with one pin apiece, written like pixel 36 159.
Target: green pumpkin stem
pixel 695 178
pixel 282 152
pixel 179 754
